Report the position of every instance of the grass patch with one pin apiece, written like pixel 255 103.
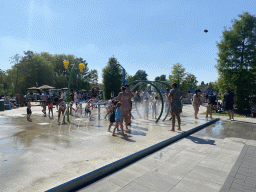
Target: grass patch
pixel 225 113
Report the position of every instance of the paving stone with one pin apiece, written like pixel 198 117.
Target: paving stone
pixel 122 177
pixel 157 181
pixel 236 186
pixel 102 185
pixel 211 175
pixel 136 188
pixel 193 184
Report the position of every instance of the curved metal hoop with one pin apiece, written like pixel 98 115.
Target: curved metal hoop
pixel 161 97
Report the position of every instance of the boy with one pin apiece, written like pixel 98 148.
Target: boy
pixel 29 112
pixel 87 109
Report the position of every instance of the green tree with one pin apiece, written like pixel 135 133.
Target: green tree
pixel 157 78
pixel 141 74
pixel 236 64
pixel 112 78
pixel 178 75
pixel 93 77
pixel 190 82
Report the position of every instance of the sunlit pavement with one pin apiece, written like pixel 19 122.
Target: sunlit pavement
pixel 39 155
pixel 221 157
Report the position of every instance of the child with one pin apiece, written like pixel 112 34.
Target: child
pixel 118 119
pixel 50 106
pixel 44 108
pixel 110 110
pixel 146 103
pixel 87 109
pixel 29 112
pixel 209 108
pixel 62 108
pixel 112 116
pixel 154 107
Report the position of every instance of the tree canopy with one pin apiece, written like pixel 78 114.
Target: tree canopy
pixel 36 69
pixel 236 64
pixel 112 78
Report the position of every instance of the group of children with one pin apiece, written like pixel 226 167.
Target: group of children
pixel 115 116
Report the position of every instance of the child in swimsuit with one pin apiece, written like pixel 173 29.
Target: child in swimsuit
pixel 62 108
pixel 50 107
pixel 44 108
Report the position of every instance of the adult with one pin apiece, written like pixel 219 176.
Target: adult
pixel 229 100
pixel 63 95
pixel 124 98
pixel 197 101
pixel 253 111
pixel 131 95
pixel 175 96
pixel 45 98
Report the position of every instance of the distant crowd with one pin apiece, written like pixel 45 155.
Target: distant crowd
pixel 119 108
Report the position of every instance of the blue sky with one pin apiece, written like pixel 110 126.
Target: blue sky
pixel 143 35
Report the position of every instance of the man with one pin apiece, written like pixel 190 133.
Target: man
pixel 131 94
pixel 229 101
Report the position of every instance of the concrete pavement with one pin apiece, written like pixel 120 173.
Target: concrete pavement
pixel 204 161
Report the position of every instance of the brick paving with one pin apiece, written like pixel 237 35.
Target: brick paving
pixel 242 177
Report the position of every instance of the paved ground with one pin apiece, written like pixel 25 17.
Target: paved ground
pixel 209 160
pixel 40 155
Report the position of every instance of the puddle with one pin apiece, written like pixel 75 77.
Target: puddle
pixel 223 129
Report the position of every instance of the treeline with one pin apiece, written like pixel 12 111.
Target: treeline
pixel 34 69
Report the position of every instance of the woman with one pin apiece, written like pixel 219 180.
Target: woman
pixel 124 98
pixel 197 102
pixel 175 96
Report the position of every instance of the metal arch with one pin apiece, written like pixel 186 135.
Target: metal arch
pixel 138 84
pixel 137 95
pixel 167 98
pixel 161 97
pixel 169 85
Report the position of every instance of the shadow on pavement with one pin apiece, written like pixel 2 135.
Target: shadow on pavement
pixel 201 141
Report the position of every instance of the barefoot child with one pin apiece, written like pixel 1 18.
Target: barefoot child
pixel 29 112
pixel 118 119
pixel 44 108
pixel 62 108
pixel 87 109
pixel 208 108
pixel 112 110
pixel 50 106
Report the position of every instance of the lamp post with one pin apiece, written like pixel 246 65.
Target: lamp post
pixel 74 66
pixel 123 70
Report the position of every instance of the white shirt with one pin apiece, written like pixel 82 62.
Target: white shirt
pixel 63 95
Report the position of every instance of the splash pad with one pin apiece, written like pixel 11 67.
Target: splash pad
pixel 144 85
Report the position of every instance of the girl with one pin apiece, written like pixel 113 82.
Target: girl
pixel 50 106
pixel 197 102
pixel 62 108
pixel 118 119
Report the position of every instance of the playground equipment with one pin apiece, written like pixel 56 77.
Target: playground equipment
pixel 158 85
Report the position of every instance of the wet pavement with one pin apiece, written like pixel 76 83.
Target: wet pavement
pixel 220 157
pixel 39 155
